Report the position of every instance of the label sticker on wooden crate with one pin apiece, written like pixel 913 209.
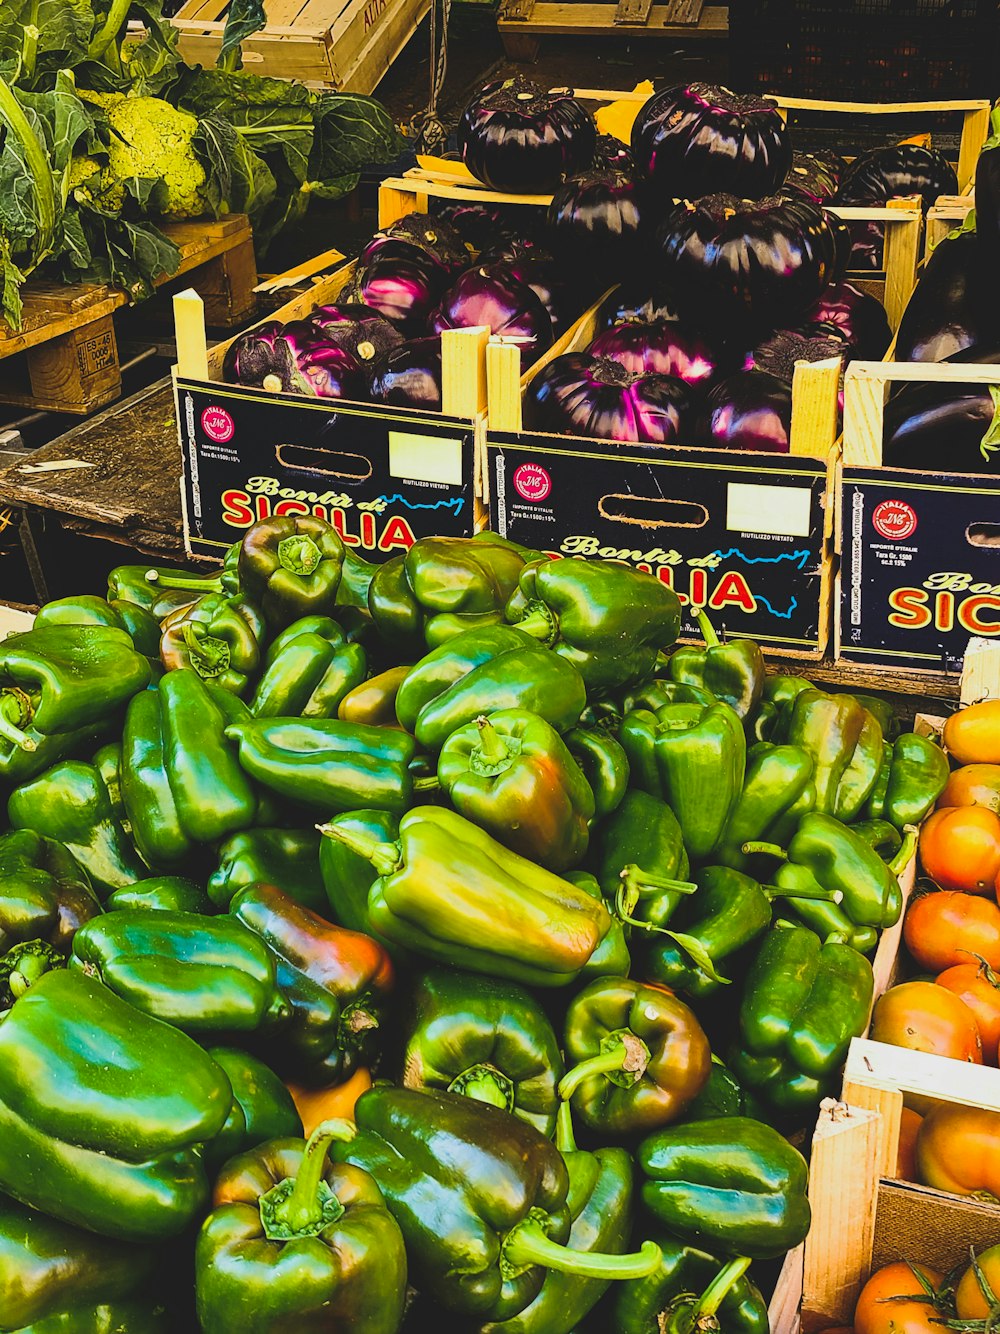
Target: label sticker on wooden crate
pixel 420 458
pixel 781 510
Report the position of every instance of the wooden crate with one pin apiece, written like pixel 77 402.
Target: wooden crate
pixel 65 357
pixel 344 44
pixel 522 23
pixel 945 214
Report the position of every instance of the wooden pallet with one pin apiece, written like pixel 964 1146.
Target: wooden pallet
pixel 345 44
pixel 65 357
pixel 521 23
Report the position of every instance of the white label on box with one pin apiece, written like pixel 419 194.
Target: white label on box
pixel 421 458
pixel 780 510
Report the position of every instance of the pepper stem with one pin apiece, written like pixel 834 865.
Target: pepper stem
pixel 643 885
pixel 387 858
pixel 494 754
pixel 527 1245
pixel 299 554
pixel 905 851
pixel 430 783
pixel 9 729
pixel 303 1205
pixel 766 850
pixel 192 583
pixel 819 894
pixel 485 1083
pixel 691 945
pixel 538 622
pixel 707 629
pixel 691 1313
pixel 565 1136
pixel 623 1058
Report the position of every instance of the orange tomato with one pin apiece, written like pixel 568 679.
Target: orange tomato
pixel 960 848
pixel 972 735
pixel 958 1149
pixel 973 785
pixel 970 1304
pixel 979 987
pixel 880 1310
pixel 922 1016
pixel 316 1105
pixel 906 1151
pixel 948 928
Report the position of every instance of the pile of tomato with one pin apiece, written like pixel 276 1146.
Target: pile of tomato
pixel 904 1298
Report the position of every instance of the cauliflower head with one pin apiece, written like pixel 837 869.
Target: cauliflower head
pixel 91 183
pixel 152 139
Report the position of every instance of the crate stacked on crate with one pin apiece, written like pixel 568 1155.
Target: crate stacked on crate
pixel 65 356
pixel 344 44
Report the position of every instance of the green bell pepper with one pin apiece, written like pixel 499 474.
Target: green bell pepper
pixel 723 1095
pixel 149 802
pixel 599 1200
pixel 296 1244
pixel 49 1269
pixel 638 1056
pixel 442 667
pixel 327 766
pixel 103 1111
pixel 162 893
pixel 733 671
pixel 845 742
pixel 485 1039
pixel 160 589
pixel 694 758
pixel 770 721
pixel 374 701
pixel 731 1184
pixel 262 1107
pixel 449 892
pixel 609 620
pixel 291 566
pixel 653 695
pixel 480 1196
pixel 511 774
pixel 309 669
pixel 602 758
pixel 70 803
pixel 803 1002
pixel 287 858
pixel 337 983
pixel 45 893
pixel 778 791
pixel 913 775
pixel 642 866
pixel 140 625
pixel 612 957
pixel 692 1291
pixel 23 965
pixel 348 875
pixel 201 974
pixel 218 637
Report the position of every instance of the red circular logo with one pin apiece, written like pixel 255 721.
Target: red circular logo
pixel 895 520
pixel 532 482
pixel 218 425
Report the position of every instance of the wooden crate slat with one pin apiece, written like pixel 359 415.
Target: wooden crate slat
pixel 569 19
pixel 201 9
pixel 272 33
pixel 284 13
pixel 363 54
pixel 634 11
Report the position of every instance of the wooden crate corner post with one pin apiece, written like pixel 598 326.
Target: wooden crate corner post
pixel 815 385
pixel 980 671
pixel 192 341
pixel 463 370
pixel 503 380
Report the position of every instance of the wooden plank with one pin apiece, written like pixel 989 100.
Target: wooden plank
pixel 302 57
pixel 902 254
pixel 56 307
pixel 329 259
pixel 273 31
pixel 387 41
pixel 463 371
pixel 940 1078
pixel 394 203
pixel 569 19
pixel 975 131
pixel 980 671
pixel 636 11
pixel 815 387
pixel 192 343
pixel 227 284
pixel 503 380
pixel 877 108
pixel 783 1308
pixel 449 190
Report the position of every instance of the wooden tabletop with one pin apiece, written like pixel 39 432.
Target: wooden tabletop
pixel 128 489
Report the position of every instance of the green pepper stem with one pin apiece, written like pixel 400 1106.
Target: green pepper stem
pixel 301 1209
pixel 387 858
pixel 14 735
pixel 431 783
pixel 906 850
pixel 537 624
pixel 707 629
pixel 691 1313
pixel 628 1056
pixel 766 850
pixel 819 894
pixel 485 1083
pixel 192 583
pixel 640 882
pixel 526 1245
pixel 299 554
pixel 492 749
pixel 565 1135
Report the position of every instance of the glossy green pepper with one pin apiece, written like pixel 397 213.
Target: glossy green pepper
pixel 653 695
pixel 602 758
pixel 481 1198
pixel 845 742
pixel 140 625
pixel 723 1095
pixel 70 803
pixel 637 1056
pixel 157 829
pixel 201 974
pixel 291 566
pixel 691 1291
pixel 511 774
pixel 778 791
pixel 442 667
pixel 103 1111
pixel 326 766
pixel 485 1039
pixel 733 671
pixel 694 758
pixel 642 865
pixel 374 701
pixel 49 1269
pixel 612 957
pixel 803 1002
pixel 770 721
pixel 23 965
pixel 45 894
pixel 262 1107
pixel 309 669
pixel 607 619
pixel 296 1244
pixel 348 875
pixel 160 589
pixel 731 1184
pixel 287 858
pixel 448 891
pixel 913 775
pixel 163 893
pixel 218 637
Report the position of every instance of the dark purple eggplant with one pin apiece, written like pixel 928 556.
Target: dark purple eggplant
pixel 950 308
pixel 479 225
pixel 778 353
pixel 731 264
pixel 857 318
pixel 403 289
pixel 259 354
pixel 510 309
pixel 663 348
pixel 988 197
pixel 410 376
pixel 891 173
pixel 428 235
pixel 940 426
pixel 532 263
pixel 515 136
pixel 297 358
pixel 816 175
pixel 698 139
pixel 596 221
pixel 748 410
pixel 611 152
pixel 578 394
pixel 843 238
pixel 365 333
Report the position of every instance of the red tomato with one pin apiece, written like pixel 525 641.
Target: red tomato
pixel 970 1303
pixel 979 987
pixel 906 1151
pixel 973 785
pixel 972 735
pixel 960 848
pixel 948 928
pixel 925 1017
pixel 958 1149
pixel 880 1310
